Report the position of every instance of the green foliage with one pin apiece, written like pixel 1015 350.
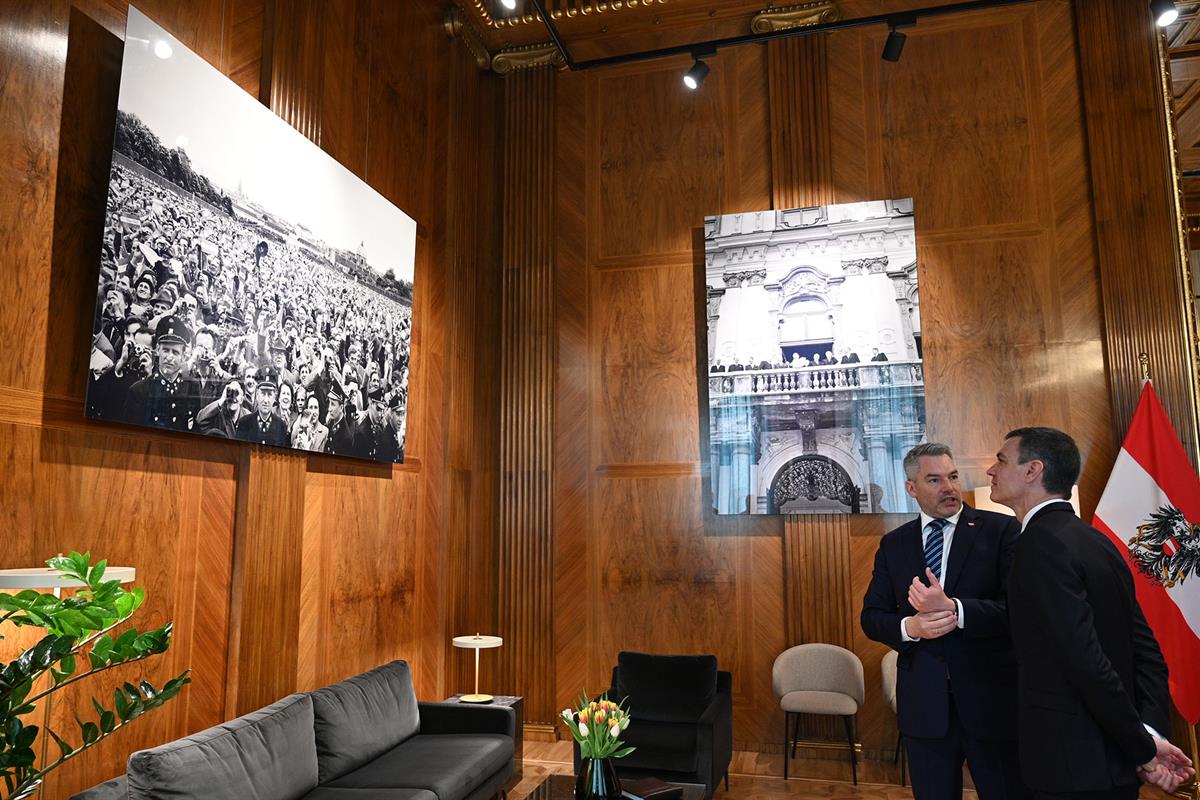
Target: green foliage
pixel 75 626
pixel 135 140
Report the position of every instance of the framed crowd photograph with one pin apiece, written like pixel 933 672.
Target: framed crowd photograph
pixel 816 387
pixel 250 287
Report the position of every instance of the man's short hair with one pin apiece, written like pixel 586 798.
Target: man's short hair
pixel 913 457
pixel 1058 453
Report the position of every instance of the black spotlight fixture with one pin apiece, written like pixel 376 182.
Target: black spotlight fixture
pixel 894 45
pixel 1165 12
pixel 699 71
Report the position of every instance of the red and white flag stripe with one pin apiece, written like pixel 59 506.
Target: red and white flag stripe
pixel 1152 471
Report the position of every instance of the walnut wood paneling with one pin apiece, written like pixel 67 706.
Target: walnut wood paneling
pixel 1144 299
pixel 265 627
pixel 340 565
pixel 122 498
pixel 473 368
pixel 526 560
pixel 801 146
pixel 816 551
pixel 1004 215
pixel 292 79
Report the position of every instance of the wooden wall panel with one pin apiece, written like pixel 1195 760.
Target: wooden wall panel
pixel 340 566
pixel 1012 317
pixel 801 126
pixel 473 317
pixel 526 561
pixel 1146 306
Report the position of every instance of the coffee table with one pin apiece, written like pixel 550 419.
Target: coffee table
pixel 562 787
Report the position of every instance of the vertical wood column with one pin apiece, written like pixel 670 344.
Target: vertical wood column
pixel 264 652
pixel 816 549
pixel 267 563
pixel 1146 308
pixel 293 63
pixel 801 139
pixel 526 577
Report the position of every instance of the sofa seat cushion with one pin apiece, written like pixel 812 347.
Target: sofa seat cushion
pixel 267 753
pixel 362 717
pixel 449 765
pixel 668 746
pixel 333 793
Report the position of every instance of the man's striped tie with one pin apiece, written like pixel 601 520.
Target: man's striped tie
pixel 933 546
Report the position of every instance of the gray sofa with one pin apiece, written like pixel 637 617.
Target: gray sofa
pixel 366 738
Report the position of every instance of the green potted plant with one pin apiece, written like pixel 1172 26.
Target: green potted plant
pixel 80 641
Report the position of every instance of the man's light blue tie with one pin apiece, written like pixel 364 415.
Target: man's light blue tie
pixel 933 545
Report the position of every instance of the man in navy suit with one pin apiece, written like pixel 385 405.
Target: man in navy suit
pixel 1093 689
pixel 937 596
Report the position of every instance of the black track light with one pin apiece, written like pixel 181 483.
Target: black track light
pixel 696 75
pixel 894 45
pixel 1164 11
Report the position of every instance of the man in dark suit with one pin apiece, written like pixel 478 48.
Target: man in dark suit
pixel 937 596
pixel 1092 682
pixel 878 356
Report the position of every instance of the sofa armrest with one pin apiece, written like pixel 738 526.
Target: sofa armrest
pixel 463 718
pixel 115 789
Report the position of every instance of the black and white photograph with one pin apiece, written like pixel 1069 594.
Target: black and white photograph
pixel 816 386
pixel 250 286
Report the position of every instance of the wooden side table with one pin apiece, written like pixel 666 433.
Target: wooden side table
pixel 517 704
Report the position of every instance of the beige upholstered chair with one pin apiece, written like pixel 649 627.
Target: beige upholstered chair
pixel 818 679
pixel 888 673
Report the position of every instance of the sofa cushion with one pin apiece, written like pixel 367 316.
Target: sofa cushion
pixel 116 789
pixel 267 753
pixel 667 688
pixel 333 793
pixel 668 746
pixel 362 717
pixel 449 765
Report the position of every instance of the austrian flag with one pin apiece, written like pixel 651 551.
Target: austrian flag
pixel 1150 510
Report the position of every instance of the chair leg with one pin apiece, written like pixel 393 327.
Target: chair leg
pixel 853 755
pixel 896 758
pixel 727 780
pixel 787 719
pixel 795 734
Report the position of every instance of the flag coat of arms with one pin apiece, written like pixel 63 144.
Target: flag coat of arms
pixel 1150 510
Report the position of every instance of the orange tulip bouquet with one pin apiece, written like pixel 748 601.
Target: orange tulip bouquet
pixel 597 726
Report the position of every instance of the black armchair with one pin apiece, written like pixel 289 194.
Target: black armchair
pixel 682 718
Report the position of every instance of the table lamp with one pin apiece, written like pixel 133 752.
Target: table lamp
pixel 477 643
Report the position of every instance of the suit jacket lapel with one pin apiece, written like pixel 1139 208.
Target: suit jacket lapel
pixel 960 547
pixel 913 546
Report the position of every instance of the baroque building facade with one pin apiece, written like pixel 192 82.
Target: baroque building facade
pixel 816 386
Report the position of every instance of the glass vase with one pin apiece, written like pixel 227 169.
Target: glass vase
pixel 597 780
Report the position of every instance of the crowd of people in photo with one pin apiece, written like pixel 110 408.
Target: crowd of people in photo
pixel 797 361
pixel 218 325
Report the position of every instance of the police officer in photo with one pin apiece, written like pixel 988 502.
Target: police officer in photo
pixel 166 399
pixel 342 436
pixel 376 439
pixel 264 426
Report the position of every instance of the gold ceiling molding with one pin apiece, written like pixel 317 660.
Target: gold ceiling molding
pixel 799 16
pixel 562 9
pixel 459 27
pixel 512 59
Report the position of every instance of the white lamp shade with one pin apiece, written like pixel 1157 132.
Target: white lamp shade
pixel 46 578
pixel 984 502
pixel 477 642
